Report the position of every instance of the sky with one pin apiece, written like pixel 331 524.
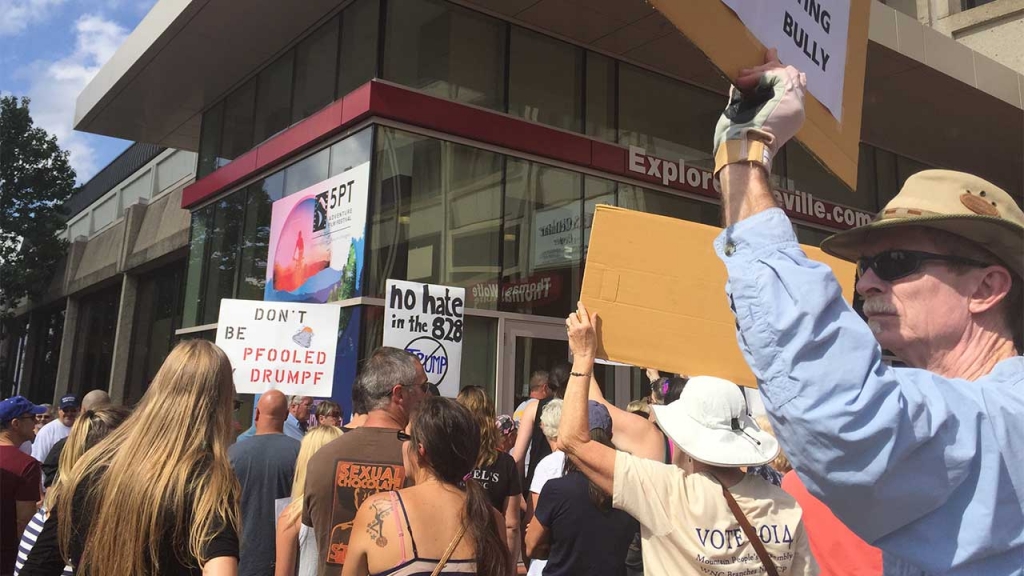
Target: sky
pixel 49 50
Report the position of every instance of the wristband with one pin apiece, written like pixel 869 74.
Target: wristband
pixel 746 150
pixel 580 374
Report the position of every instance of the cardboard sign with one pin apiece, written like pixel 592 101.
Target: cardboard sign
pixel 714 28
pixel 428 321
pixel 810 35
pixel 280 346
pixel 659 289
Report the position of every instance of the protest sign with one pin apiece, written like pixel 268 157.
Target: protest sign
pixel 804 36
pixel 428 321
pixel 659 290
pixel 279 346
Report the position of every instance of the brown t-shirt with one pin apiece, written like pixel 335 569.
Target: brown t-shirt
pixel 339 478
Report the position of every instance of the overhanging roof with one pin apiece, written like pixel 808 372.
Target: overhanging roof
pixel 184 56
pixel 187 54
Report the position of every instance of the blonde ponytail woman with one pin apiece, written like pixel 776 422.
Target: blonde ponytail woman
pixel 38 553
pixel 296 546
pixel 158 496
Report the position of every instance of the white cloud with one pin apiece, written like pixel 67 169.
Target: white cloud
pixel 20 14
pixel 55 86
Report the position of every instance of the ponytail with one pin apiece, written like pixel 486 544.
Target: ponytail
pixel 492 556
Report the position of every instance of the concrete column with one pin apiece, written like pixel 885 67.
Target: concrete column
pixel 67 349
pixel 123 338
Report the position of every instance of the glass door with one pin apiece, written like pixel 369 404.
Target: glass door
pixel 527 346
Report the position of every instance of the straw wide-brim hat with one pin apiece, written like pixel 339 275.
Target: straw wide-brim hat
pixel 709 422
pixel 961 204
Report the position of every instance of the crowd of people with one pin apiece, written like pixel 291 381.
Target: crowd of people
pixel 876 469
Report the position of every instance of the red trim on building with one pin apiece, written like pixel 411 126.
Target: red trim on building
pixel 384 100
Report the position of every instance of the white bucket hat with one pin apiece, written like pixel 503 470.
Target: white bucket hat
pixel 710 423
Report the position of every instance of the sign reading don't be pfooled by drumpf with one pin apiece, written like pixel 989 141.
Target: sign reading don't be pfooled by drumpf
pixel 428 321
pixel 282 346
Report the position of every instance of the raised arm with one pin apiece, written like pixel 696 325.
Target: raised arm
pixel 595 460
pixel 524 436
pixel 631 433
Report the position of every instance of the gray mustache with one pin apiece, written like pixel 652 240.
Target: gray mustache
pixel 878 306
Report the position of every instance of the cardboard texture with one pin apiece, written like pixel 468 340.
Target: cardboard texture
pixel 720 34
pixel 659 290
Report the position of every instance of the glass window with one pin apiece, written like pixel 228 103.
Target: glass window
pixel 274 98
pixel 358 45
pixel 543 209
pixel 252 277
pixel 194 294
pixel 885 176
pixel 446 51
pixel 94 341
pixel 238 111
pixel 866 183
pixel 157 316
pixel 49 326
pixel 545 80
pixel 435 213
pixel 223 253
pixel 600 97
pixel 667 118
pixel 351 152
pixel 808 175
pixel 655 202
pixel 307 172
pixel 479 359
pixel 209 139
pixel 316 63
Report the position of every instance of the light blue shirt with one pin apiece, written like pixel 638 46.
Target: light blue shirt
pixel 291 429
pixel 929 469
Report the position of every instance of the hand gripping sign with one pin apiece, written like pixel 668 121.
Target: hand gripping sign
pixel 428 321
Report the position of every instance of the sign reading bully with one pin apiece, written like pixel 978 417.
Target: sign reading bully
pixel 280 346
pixel 429 322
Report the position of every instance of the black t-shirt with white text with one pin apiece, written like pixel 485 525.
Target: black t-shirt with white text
pixel 500 480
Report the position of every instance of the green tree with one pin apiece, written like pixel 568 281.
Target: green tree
pixel 35 181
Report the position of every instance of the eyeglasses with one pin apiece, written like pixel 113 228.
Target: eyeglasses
pixel 423 386
pixel 403 437
pixel 895 264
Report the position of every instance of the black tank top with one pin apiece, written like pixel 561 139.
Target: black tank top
pixel 539 447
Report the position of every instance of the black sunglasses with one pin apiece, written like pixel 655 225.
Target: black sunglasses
pixel 403 437
pixel 895 264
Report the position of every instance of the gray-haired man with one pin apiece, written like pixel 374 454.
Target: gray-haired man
pixel 366 460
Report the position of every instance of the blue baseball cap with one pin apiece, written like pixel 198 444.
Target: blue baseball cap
pixel 69 401
pixel 599 416
pixel 16 406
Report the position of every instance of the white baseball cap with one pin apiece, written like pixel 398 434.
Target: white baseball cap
pixel 710 423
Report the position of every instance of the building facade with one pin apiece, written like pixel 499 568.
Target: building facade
pixel 492 129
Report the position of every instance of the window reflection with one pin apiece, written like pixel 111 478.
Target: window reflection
pixel 446 51
pixel 224 238
pixel 274 98
pixel 435 212
pixel 238 111
pixel 316 63
pixel 545 80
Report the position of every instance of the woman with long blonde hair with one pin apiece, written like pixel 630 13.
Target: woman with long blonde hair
pixel 38 553
pixel 159 496
pixel 495 470
pixel 296 546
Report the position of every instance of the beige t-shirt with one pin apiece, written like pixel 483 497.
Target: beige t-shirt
pixel 687 527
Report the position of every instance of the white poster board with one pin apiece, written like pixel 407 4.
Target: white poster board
pixel 810 35
pixel 428 321
pixel 282 346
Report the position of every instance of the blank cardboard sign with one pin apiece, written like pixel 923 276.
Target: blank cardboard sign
pixel 659 290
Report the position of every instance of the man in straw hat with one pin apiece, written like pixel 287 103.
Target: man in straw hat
pixel 714 520
pixel 925 462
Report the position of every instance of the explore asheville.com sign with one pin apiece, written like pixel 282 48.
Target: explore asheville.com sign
pixel 810 35
pixel 429 322
pixel 279 346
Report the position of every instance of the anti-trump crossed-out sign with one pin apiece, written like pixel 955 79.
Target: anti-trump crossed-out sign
pixel 428 321
pixel 283 346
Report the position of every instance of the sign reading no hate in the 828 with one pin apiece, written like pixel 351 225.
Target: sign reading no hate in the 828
pixel 428 321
